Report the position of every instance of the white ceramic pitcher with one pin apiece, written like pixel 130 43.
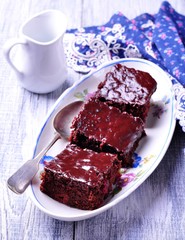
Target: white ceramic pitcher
pixel 39 61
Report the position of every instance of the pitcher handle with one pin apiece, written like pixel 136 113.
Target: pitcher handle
pixel 7 49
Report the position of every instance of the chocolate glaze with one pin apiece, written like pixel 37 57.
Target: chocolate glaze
pixel 82 165
pixel 127 85
pixel 108 125
pixel 83 178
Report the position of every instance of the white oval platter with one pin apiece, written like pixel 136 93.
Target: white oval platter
pixel 148 155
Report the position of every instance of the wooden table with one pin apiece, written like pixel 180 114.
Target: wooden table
pixel 155 211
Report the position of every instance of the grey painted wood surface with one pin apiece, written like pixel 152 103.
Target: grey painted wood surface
pixel 156 210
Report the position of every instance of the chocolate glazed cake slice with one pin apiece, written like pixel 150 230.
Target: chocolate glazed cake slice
pixel 128 89
pixel 80 178
pixel 104 128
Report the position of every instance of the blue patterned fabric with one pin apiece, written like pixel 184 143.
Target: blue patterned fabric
pixel 159 38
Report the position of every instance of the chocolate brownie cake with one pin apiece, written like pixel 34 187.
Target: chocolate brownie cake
pixel 104 136
pixel 104 128
pixel 128 89
pixel 80 178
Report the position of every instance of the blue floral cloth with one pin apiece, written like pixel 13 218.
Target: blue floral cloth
pixel 159 38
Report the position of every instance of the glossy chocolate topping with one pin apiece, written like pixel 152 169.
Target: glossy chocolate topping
pixel 108 125
pixel 124 84
pixel 81 164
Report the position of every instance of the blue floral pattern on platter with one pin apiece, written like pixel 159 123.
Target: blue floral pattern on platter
pixel 45 159
pixel 160 107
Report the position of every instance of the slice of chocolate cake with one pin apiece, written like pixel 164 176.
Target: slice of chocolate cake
pixel 105 128
pixel 128 89
pixel 80 178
